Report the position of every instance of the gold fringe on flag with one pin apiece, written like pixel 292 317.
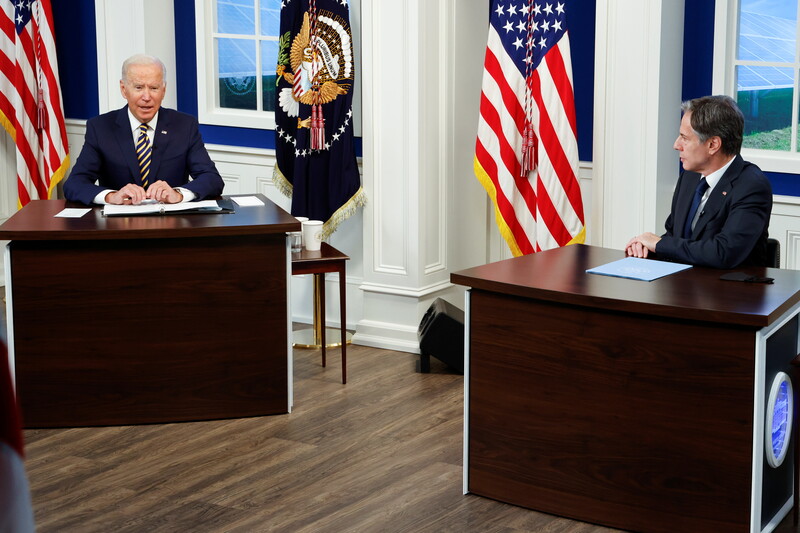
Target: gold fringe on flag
pixel 359 199
pixel 281 183
pixel 348 209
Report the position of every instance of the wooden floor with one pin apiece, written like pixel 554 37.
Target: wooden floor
pixel 382 453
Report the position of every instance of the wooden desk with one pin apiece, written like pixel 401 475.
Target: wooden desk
pixel 631 404
pixel 126 320
pixel 318 262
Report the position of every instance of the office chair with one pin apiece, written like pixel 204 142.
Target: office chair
pixel 773 253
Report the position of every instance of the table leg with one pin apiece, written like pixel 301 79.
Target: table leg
pixel 319 313
pixel 343 323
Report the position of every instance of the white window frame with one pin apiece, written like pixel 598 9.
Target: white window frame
pixel 208 111
pixel 723 82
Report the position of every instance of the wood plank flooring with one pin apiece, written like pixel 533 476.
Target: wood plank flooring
pixel 382 453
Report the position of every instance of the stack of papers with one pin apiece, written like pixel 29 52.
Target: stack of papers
pixel 638 268
pixel 205 206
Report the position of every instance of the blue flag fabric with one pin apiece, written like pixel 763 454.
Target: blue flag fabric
pixel 316 66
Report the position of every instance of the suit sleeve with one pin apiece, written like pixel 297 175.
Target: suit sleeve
pixel 669 225
pixel 206 181
pixel 727 241
pixel 81 185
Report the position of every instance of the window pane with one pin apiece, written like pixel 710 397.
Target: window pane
pixel 269 61
pixel 270 17
pixel 797 148
pixel 237 73
pixel 236 16
pixel 764 95
pixel 767 30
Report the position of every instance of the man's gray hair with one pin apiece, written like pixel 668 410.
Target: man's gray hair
pixel 717 116
pixel 142 59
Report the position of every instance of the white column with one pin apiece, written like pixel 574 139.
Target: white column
pixel 127 28
pixel 638 73
pixel 426 213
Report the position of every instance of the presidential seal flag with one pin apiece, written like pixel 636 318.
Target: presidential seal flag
pixel 526 154
pixel 316 160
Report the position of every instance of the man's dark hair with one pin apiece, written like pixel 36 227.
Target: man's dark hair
pixel 717 116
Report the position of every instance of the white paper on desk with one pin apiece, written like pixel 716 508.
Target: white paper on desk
pixel 638 268
pixel 245 201
pixel 144 209
pixel 72 212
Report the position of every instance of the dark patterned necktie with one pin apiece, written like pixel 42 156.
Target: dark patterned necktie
pixel 698 195
pixel 143 152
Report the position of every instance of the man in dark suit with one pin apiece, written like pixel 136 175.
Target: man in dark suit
pixel 143 151
pixel 722 203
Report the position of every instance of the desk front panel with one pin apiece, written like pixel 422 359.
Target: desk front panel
pixel 149 330
pixel 616 418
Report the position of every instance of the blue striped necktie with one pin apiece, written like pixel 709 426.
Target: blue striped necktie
pixel 698 197
pixel 143 152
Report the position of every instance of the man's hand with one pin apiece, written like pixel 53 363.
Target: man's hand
pixel 160 191
pixel 129 194
pixel 641 245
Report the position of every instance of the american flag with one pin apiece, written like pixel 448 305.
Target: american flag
pixel 527 96
pixel 30 97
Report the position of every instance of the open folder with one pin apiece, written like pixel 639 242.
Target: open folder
pixel 223 205
pixel 638 268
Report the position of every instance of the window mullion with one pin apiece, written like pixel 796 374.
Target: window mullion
pixel 257 39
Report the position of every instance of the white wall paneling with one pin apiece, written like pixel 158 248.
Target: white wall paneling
pixel 472 225
pixel 8 166
pixel 426 212
pixel 127 28
pixel 784 225
pixel 8 192
pixel 638 58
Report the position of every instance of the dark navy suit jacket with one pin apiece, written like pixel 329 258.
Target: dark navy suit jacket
pixel 109 158
pixel 732 228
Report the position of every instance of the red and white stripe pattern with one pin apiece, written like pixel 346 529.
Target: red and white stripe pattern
pixel 31 108
pixel 541 208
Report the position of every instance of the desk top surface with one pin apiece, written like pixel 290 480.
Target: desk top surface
pixel 37 222
pixel 560 276
pixel 326 253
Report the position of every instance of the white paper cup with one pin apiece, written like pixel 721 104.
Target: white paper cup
pixel 312 231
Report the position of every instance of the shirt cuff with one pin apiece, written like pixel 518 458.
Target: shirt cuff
pixel 101 197
pixel 188 195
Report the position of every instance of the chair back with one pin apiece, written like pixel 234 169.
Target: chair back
pixel 773 253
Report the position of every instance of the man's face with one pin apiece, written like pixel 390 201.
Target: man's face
pixel 694 154
pixel 144 90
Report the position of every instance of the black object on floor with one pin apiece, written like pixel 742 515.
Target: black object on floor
pixel 441 334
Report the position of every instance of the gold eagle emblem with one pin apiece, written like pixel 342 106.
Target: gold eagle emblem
pixel 322 70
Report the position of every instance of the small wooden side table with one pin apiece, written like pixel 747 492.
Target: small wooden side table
pixel 318 262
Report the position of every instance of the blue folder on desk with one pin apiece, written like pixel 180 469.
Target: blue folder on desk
pixel 638 268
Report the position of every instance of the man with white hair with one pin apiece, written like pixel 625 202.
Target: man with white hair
pixel 143 151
